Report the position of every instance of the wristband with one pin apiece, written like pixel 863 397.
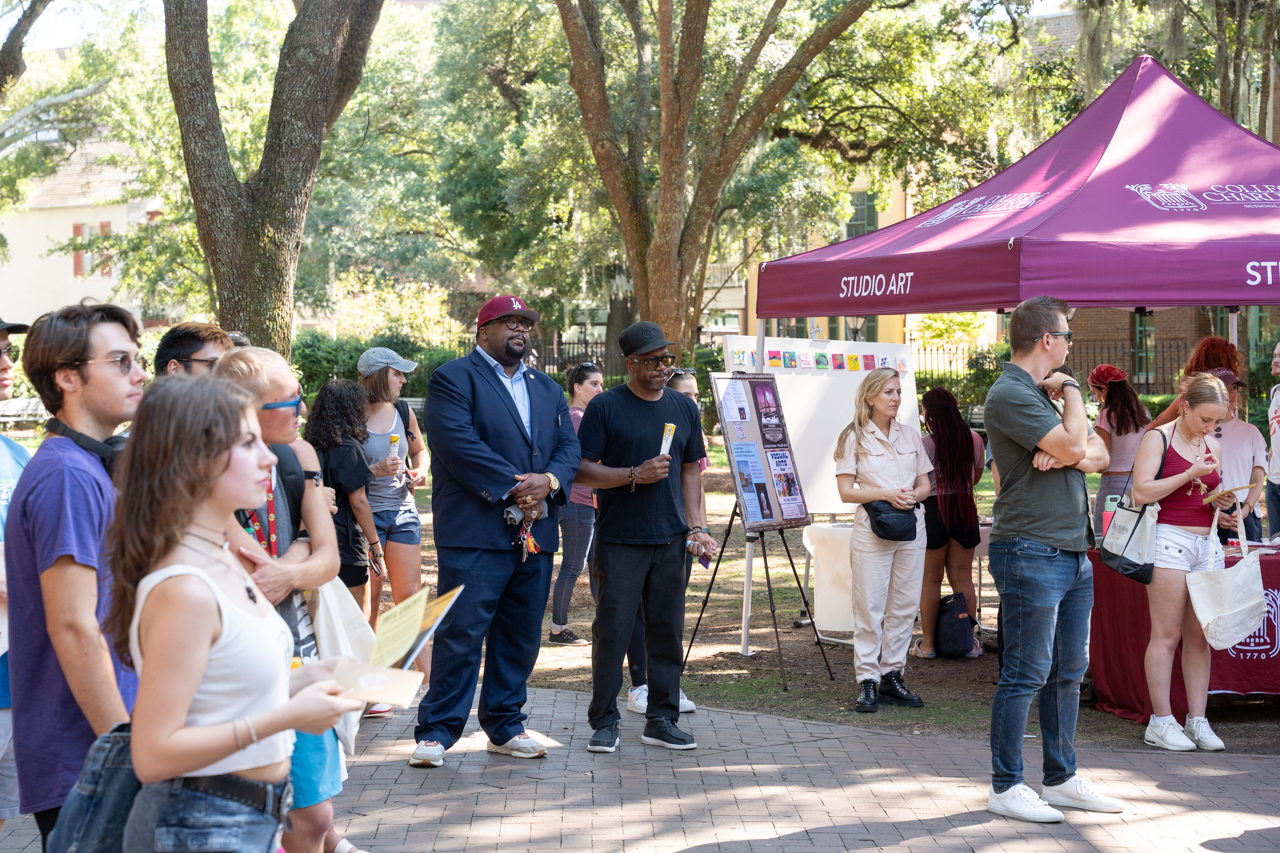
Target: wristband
pixel 1071 383
pixel 631 478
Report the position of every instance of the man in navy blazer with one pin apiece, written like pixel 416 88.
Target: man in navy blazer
pixel 502 446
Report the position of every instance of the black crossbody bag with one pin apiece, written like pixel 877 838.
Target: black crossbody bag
pixel 890 523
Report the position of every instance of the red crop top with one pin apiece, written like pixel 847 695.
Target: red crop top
pixel 1186 510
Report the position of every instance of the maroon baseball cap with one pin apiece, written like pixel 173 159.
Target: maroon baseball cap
pixel 1228 377
pixel 505 306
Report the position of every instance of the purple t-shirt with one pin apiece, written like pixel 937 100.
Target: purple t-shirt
pixel 62 506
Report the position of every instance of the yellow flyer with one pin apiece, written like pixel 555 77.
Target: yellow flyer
pixel 401 627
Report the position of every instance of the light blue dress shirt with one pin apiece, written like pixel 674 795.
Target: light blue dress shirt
pixel 515 386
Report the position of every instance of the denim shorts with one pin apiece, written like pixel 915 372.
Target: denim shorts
pixel 166 816
pixel 1187 552
pixel 317 771
pixel 8 767
pixel 398 525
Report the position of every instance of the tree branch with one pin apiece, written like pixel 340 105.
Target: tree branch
pixel 733 95
pixel 51 101
pixel 12 65
pixel 355 50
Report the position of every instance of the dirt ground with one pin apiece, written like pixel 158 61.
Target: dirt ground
pixel 957 693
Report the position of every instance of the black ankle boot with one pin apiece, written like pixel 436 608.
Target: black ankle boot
pixel 895 692
pixel 868 702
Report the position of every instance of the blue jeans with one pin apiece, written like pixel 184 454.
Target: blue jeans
pixel 169 817
pixel 1046 596
pixel 577 537
pixel 93 817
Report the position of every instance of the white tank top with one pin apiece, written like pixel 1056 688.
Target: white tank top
pixel 247 673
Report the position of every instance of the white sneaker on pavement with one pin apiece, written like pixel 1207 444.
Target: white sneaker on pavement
pixel 1168 735
pixel 638 699
pixel 1198 731
pixel 1077 793
pixel 1022 803
pixel 427 753
pixel 686 704
pixel 520 746
pixel 381 709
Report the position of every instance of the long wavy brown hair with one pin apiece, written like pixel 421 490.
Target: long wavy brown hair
pixel 178 445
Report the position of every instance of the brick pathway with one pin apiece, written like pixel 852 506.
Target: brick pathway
pixel 759 783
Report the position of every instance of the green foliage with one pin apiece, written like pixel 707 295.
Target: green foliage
pixel 1157 403
pixel 318 358
pixel 947 329
pixel 708 360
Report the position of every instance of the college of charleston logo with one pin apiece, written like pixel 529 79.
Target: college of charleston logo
pixel 1263 643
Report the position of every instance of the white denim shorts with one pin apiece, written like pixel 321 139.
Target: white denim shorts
pixel 1187 552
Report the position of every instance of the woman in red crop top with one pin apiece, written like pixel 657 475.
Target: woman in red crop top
pixel 1190 472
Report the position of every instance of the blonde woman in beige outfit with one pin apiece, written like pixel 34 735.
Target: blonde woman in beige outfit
pixel 878 459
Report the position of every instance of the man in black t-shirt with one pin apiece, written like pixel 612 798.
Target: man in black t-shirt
pixel 646 522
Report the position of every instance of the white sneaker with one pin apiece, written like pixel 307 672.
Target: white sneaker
pixel 1022 803
pixel 638 699
pixel 1168 735
pixel 520 746
pixel 686 704
pixel 428 753
pixel 381 709
pixel 1198 731
pixel 1077 793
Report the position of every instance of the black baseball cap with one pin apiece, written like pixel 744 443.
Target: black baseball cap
pixel 16 328
pixel 642 337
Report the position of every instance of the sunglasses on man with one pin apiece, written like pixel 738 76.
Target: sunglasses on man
pixel 124 362
pixel 295 404
pixel 13 351
pixel 652 363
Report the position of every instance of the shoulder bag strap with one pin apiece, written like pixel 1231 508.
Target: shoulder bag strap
pixel 1163 456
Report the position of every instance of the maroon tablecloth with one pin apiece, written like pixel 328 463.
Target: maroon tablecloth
pixel 1121 628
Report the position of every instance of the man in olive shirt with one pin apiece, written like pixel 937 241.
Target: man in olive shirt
pixel 1039 540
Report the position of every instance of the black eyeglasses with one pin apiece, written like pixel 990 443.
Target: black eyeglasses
pixel 1066 334
pixel 652 363
pixel 13 351
pixel 209 361
pixel 124 362
pixel 514 324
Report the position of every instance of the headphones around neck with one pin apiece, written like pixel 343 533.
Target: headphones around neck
pixel 103 450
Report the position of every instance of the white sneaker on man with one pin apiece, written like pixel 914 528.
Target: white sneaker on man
pixel 1077 793
pixel 520 746
pixel 638 699
pixel 1022 803
pixel 686 704
pixel 1167 734
pixel 427 753
pixel 1198 731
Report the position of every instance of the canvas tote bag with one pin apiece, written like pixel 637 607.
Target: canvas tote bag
pixel 1129 546
pixel 341 631
pixel 1230 603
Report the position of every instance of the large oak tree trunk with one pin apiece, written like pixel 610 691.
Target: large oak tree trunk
pixel 251 231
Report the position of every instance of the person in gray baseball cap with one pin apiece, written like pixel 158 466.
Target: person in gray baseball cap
pixel 398 457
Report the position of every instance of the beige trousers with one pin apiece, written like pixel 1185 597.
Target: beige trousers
pixel 887 577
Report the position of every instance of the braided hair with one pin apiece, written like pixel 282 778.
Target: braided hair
pixel 953 459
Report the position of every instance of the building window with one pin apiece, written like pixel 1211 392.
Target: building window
pixel 83 263
pixel 847 328
pixel 1144 350
pixel 864 217
pixel 871 329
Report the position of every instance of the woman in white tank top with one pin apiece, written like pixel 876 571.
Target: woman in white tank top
pixel 212 728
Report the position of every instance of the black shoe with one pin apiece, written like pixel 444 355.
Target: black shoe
pixel 663 732
pixel 565 638
pixel 604 739
pixel 868 702
pixel 894 692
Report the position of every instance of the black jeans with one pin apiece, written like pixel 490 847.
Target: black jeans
pixel 650 577
pixel 635 648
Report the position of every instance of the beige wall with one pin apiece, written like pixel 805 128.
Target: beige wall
pixel 34 281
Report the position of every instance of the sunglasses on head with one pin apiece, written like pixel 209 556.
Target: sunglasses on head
pixel 514 324
pixel 652 363
pixel 684 371
pixel 124 362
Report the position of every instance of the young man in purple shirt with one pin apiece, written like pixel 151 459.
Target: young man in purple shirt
pixel 68 687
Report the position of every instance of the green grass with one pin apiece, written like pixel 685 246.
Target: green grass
pixel 716 453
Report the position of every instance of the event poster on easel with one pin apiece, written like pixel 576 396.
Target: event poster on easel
pixel 759 451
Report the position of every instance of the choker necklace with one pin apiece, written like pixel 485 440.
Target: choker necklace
pixel 226 547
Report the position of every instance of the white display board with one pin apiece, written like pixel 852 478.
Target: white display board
pixel 817 395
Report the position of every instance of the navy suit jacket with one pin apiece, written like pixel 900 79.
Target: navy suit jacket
pixel 478 444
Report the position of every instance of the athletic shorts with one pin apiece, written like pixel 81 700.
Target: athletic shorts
pixel 1187 552
pixel 353 575
pixel 317 770
pixel 398 525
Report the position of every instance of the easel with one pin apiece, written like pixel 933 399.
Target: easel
pixel 752 539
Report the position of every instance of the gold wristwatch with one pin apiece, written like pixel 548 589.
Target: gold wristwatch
pixel 554 480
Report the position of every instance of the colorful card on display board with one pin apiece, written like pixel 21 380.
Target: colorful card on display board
pixel 820 360
pixel 902 365
pixel 775 358
pixel 837 361
pixel 868 362
pixel 806 360
pixel 884 361
pixel 789 359
pixel 740 356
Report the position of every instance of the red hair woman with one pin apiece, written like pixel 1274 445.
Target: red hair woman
pixel 1211 352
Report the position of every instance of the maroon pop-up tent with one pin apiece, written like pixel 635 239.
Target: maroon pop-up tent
pixel 1149 198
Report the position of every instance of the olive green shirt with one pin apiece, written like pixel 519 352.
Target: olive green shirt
pixel 1050 507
